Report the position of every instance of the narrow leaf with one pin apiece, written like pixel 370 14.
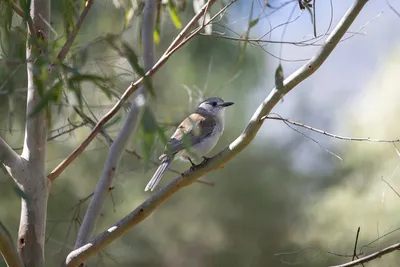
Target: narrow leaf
pixel 173 13
pixel 279 78
pixel 112 122
pixel 253 23
pixel 149 130
pixel 134 62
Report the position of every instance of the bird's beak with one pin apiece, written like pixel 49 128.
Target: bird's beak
pixel 226 104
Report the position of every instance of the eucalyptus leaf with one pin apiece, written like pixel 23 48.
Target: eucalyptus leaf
pixel 253 23
pixel 134 62
pixel 279 78
pixel 173 13
pixel 149 132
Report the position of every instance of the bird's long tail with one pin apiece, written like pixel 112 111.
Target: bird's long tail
pixel 158 174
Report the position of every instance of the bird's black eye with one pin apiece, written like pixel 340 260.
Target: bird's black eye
pixel 214 104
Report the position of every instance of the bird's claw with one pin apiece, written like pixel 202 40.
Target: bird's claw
pixel 205 159
pixel 191 162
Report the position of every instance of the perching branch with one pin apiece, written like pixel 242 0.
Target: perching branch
pixel 216 162
pixel 371 257
pixel 8 250
pixel 176 44
pixel 91 123
pixel 7 155
pixel 129 127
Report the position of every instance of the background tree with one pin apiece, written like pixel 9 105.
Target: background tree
pixel 87 59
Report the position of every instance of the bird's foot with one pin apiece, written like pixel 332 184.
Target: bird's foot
pixel 205 159
pixel 191 162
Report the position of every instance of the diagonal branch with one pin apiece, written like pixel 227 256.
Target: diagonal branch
pixel 191 175
pixel 371 257
pixel 129 127
pixel 176 44
pixel 7 155
pixel 67 46
pixel 28 19
pixel 8 250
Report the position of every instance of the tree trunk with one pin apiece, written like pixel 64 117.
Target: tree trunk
pixel 31 172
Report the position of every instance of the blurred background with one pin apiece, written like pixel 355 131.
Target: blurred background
pixel 290 198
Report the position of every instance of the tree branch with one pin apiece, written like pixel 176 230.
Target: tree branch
pixel 67 46
pixel 371 257
pixel 176 44
pixel 216 162
pixel 129 127
pixel 340 137
pixel 31 174
pixel 21 13
pixel 8 250
pixel 7 155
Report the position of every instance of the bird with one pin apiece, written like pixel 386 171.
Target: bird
pixel 195 136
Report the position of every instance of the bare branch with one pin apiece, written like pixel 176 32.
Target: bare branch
pixel 8 250
pixel 7 155
pixel 392 8
pixel 366 139
pixel 67 46
pixel 21 13
pixel 391 187
pixel 129 127
pixel 371 257
pixel 355 243
pixel 176 44
pixel 187 178
pixel 16 8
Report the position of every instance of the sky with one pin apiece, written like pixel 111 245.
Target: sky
pixel 319 100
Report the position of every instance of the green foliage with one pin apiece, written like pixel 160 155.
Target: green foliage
pixel 64 77
pixel 6 15
pixel 134 62
pixel 253 23
pixel 26 7
pixel 173 13
pixel 279 78
pixel 149 133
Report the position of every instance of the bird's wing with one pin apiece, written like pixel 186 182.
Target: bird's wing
pixel 191 131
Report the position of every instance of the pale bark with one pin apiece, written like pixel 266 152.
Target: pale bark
pixel 216 162
pixel 129 127
pixel 8 157
pixel 184 36
pixel 30 174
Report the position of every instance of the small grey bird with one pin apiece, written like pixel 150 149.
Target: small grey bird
pixel 199 133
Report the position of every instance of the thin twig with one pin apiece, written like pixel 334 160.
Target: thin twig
pixel 188 177
pixel 67 46
pixel 391 187
pixel 355 244
pixel 330 134
pixel 176 44
pixel 371 257
pixel 392 8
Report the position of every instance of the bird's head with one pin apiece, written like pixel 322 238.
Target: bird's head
pixel 215 105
